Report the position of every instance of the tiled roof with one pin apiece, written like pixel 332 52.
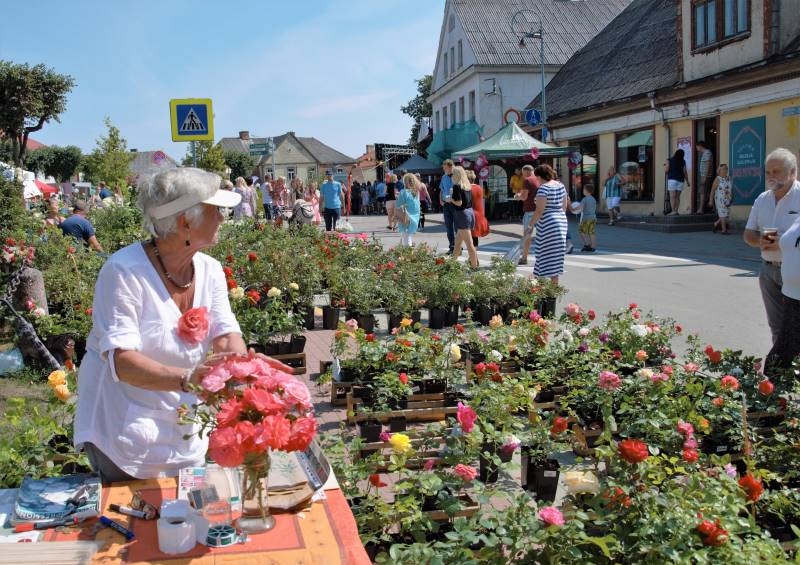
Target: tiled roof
pixel 144 161
pixel 318 150
pixel 635 54
pixel 568 26
pixel 237 144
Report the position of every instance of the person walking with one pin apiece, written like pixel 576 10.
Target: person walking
pixel 612 193
pixel 705 168
pixel 550 220
pixel 722 195
pixel 445 196
pixel 677 176
pixel 424 201
pixel 463 217
pixel 247 206
pixel 330 201
pixel 481 228
pixel 773 213
pixel 266 197
pixel 588 225
pixel 390 201
pixel 312 196
pixel 530 185
pixel 408 209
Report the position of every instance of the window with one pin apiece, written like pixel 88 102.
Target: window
pixel 715 21
pixel 460 54
pixel 452 60
pixel 291 172
pixel 587 170
pixel 635 164
pixel 339 171
pixel 438 123
pixel 461 109
pixel 452 114
pixel 451 22
pixel 444 115
pixel 268 171
pixel 312 173
pixel 472 105
pixel 445 65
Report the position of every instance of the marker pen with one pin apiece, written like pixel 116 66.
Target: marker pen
pixel 129 535
pixel 128 511
pixel 69 520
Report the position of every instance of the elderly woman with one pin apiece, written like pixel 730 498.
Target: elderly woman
pixel 550 219
pixel 159 307
pixel 408 202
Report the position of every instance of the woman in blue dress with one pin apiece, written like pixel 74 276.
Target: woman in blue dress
pixel 550 219
pixel 408 201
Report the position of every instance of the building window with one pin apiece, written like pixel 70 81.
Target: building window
pixel 461 109
pixel 472 105
pixel 635 164
pixel 452 114
pixel 460 54
pixel 451 22
pixel 444 116
pixel 312 173
pixel 438 123
pixel 452 60
pixel 268 171
pixel 445 65
pixel 291 172
pixel 339 171
pixel 586 172
pixel 715 21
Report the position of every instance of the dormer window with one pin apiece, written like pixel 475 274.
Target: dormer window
pixel 445 65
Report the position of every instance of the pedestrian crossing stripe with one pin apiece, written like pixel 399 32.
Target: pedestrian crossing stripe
pixel 191 119
pixel 608 261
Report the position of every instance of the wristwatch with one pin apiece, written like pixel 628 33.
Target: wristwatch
pixel 185 380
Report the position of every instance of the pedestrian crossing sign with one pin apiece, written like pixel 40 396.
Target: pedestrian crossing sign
pixel 191 119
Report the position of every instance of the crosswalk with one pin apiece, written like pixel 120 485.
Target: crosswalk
pixel 603 261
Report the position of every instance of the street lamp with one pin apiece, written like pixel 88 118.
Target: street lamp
pixel 521 24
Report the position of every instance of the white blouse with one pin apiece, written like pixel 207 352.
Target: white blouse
pixel 137 428
pixel 790 268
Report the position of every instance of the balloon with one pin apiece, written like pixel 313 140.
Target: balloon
pixel 535 152
pixel 484 174
pixel 466 163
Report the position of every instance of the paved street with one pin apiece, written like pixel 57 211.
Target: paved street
pixel 707 282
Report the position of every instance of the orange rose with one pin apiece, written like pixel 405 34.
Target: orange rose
pixel 193 325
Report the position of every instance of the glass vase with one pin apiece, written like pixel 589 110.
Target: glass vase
pixel 255 504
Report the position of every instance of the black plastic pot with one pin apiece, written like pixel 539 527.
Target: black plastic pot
pixel 487 470
pixel 284 347
pixel 483 314
pixel 271 348
pixel 451 315
pixel 397 424
pixel 540 476
pixel 433 386
pixel 370 430
pixel 547 307
pixel 308 317
pixel 436 320
pixel 330 318
pixel 366 322
pixel 394 321
pixel 297 344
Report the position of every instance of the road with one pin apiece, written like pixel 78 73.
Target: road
pixel 707 282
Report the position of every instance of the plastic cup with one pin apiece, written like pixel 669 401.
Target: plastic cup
pixel 769 234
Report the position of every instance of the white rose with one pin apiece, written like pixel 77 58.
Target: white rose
pixel 495 355
pixel 639 330
pixel 583 332
pixel 236 293
pixel 274 292
pixel 455 353
pixel 294 286
pixel 644 373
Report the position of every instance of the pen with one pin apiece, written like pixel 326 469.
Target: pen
pixel 70 520
pixel 129 535
pixel 128 511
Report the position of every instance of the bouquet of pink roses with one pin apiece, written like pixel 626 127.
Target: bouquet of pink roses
pixel 250 407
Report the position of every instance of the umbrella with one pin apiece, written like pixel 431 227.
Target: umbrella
pixel 30 190
pixel 47 189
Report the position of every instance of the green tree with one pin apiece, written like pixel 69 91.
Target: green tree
pixel 12 208
pixel 110 159
pixel 209 157
pixel 419 107
pixel 39 160
pixel 58 162
pixel 31 97
pixel 241 164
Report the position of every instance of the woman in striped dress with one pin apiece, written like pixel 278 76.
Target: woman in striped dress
pixel 550 219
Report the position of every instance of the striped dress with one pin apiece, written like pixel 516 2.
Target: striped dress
pixel 550 244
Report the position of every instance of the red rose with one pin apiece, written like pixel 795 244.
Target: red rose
pixel 403 378
pixel 497 378
pixel 591 314
pixel 678 328
pixel 729 382
pixel 752 486
pixel 633 450
pixel 253 296
pixel 231 284
pixel 252 257
pixel 765 387
pixel 229 259
pixel 480 368
pixel 617 497
pixel 712 355
pixel 633 306
pixel 459 328
pixel 719 402
pixel 690 455
pixel 228 272
pixel 560 424
pixel 617 354
pixel 712 532
pixel 369 337
pixel 193 325
pixel 88 311
pixel 375 480
pixel 439 261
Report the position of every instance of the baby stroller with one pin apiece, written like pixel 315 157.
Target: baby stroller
pixel 301 213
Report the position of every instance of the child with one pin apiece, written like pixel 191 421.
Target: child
pixel 588 210
pixel 721 194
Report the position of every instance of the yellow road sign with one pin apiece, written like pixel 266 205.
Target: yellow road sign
pixel 191 119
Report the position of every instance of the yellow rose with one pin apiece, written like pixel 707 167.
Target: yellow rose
pixel 401 443
pixel 294 286
pixel 274 292
pixel 57 378
pixel 405 322
pixel 455 353
pixel 236 293
pixel 62 392
pixel 496 321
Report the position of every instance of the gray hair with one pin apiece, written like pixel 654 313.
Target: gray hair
pixel 170 185
pixel 785 156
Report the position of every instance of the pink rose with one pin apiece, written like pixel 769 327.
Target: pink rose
pixel 303 431
pixel 224 447
pixel 572 309
pixel 691 367
pixel 685 428
pixel 466 472
pixel 275 431
pixel 729 382
pixel 229 412
pixel 385 436
pixel 352 324
pixel 466 417
pixel 609 380
pixel 297 394
pixel 193 325
pixel 264 401
pixel 641 355
pixel 690 443
pixel 551 516
pixel 428 466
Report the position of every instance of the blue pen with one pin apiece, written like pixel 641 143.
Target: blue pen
pixel 129 535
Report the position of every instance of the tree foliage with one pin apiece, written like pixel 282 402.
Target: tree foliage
pixel 12 208
pixel 209 157
pixel 110 159
pixel 241 164
pixel 419 107
pixel 31 97
pixel 58 162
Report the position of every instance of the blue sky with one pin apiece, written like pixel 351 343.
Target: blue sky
pixel 337 70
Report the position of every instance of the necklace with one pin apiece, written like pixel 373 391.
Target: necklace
pixel 164 268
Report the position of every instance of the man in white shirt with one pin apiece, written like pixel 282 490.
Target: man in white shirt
pixel 777 208
pixel 266 196
pixel 705 168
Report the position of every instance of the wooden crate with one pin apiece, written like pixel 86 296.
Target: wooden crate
pixel 297 361
pixel 421 408
pixel 338 388
pixel 470 508
pixel 432 444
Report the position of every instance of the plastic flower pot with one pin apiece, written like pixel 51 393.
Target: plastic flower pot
pixel 397 424
pixel 451 315
pixel 547 307
pixel 330 318
pixel 483 314
pixel 366 322
pixel 436 319
pixel 370 430
pixel 297 344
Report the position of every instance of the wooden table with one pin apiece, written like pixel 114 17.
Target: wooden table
pixel 324 534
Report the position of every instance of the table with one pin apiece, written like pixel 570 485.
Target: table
pixel 326 534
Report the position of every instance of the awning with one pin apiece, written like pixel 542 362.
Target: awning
pixel 47 189
pixel 418 164
pixel 644 137
pixel 511 141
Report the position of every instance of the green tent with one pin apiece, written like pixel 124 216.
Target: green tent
pixel 510 142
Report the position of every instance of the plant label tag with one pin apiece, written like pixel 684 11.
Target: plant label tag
pixel 415 389
pixel 722 448
pixel 550 474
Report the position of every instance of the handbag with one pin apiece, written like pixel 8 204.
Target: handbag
pixel 402 216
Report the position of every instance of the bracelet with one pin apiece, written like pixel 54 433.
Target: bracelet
pixel 185 378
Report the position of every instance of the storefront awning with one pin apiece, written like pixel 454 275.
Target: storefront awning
pixel 509 142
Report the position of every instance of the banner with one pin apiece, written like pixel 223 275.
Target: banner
pixel 747 153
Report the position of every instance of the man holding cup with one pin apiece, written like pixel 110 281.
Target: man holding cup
pixel 773 212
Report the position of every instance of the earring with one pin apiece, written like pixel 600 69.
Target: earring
pixel 188 243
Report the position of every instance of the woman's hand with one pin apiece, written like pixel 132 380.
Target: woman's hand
pixel 274 363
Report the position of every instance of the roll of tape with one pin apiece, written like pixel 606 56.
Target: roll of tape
pixel 220 536
pixel 175 535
